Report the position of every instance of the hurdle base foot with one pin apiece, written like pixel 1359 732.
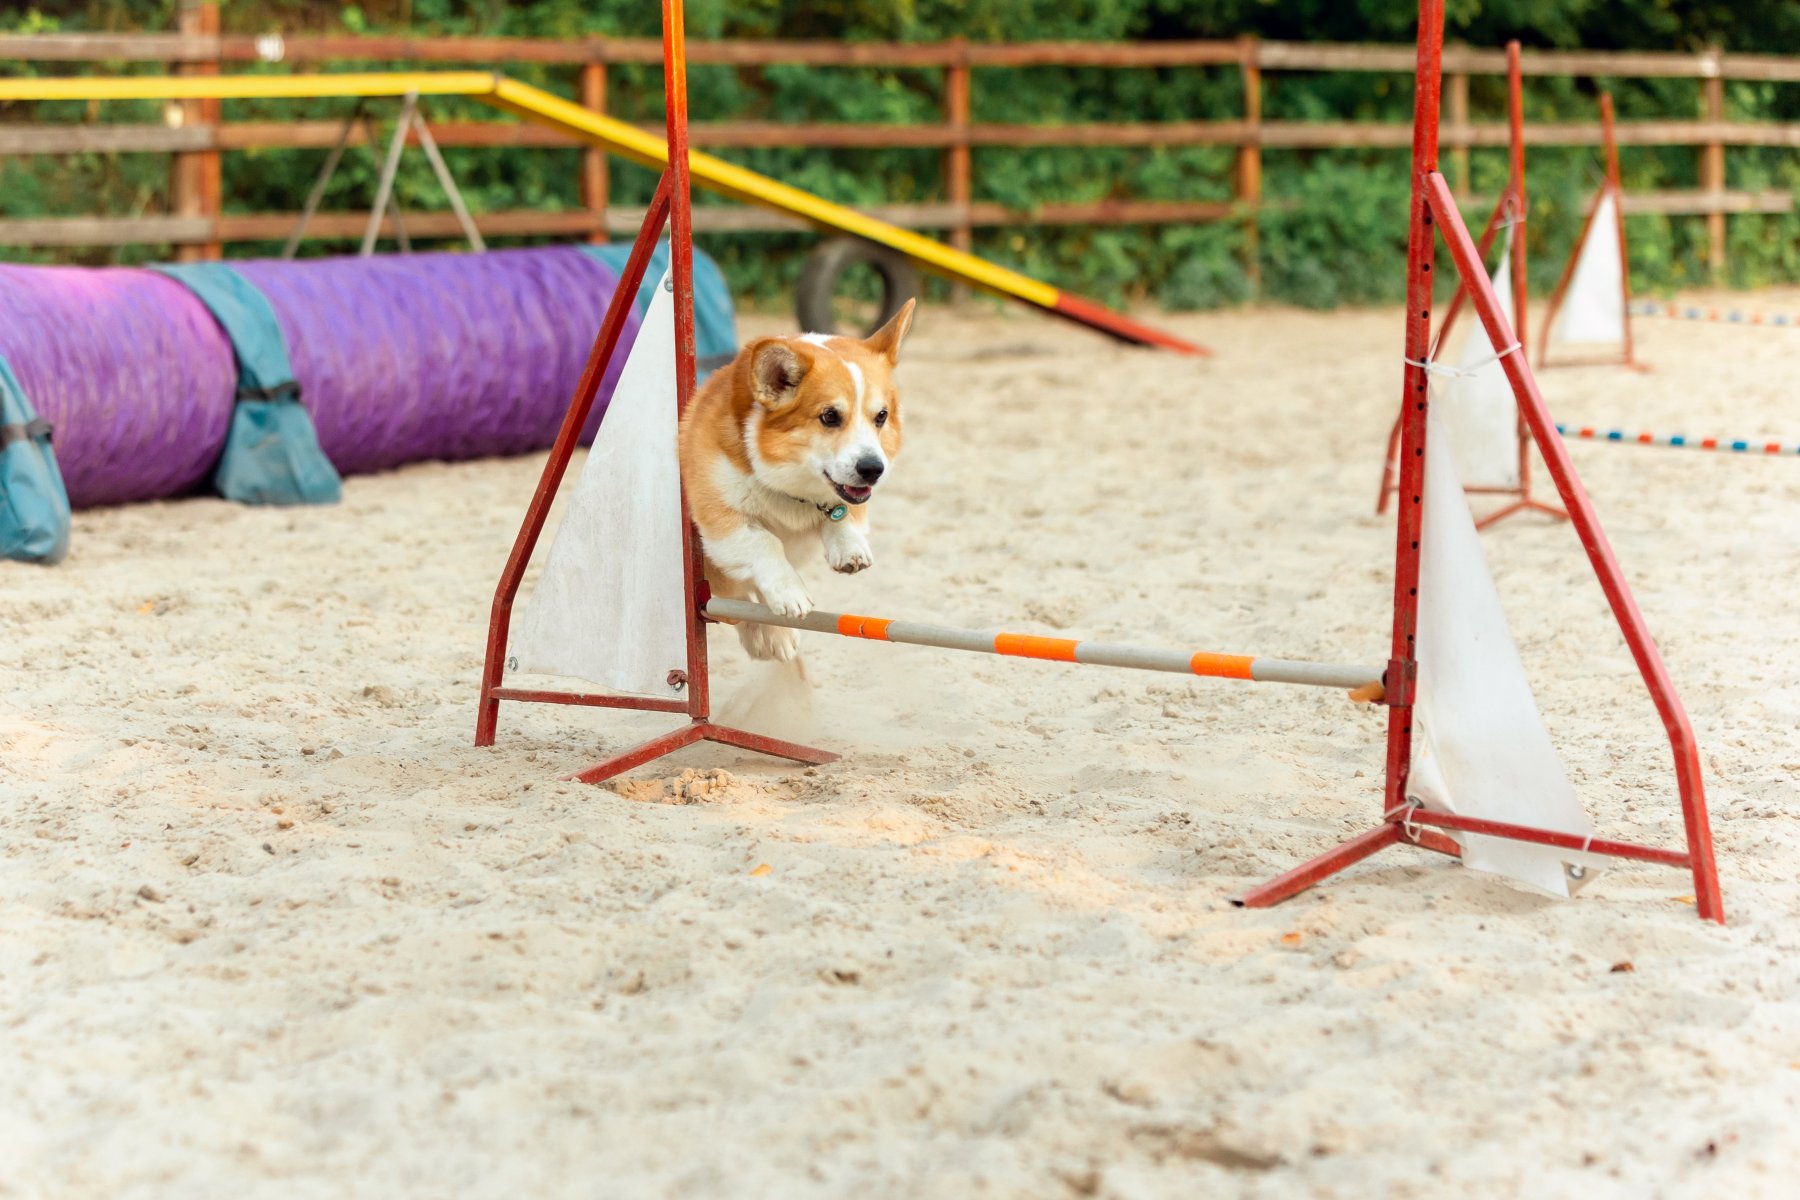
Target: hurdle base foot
pixel 1338 858
pixel 688 735
pixel 1521 506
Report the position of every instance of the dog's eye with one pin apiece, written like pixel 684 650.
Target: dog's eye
pixel 881 418
pixel 831 418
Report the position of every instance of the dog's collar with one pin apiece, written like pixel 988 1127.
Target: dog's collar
pixel 833 512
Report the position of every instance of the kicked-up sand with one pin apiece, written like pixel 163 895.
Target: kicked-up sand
pixel 270 925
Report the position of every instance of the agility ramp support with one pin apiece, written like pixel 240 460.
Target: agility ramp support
pixel 627 141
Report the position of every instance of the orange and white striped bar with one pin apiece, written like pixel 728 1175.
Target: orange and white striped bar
pixel 1055 649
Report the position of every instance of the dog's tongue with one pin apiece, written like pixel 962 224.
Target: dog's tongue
pixel 859 494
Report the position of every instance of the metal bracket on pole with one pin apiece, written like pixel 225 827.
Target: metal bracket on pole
pixel 1400 681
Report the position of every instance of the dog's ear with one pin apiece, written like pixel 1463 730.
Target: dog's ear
pixel 886 340
pixel 776 371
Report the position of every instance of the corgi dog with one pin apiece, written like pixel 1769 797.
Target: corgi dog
pixel 782 450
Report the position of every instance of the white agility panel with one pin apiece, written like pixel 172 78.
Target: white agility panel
pixel 609 607
pixel 1483 418
pixel 1480 748
pixel 1593 307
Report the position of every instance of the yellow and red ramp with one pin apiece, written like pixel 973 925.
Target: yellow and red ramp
pixel 617 137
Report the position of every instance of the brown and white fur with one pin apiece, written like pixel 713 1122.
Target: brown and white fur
pixel 793 427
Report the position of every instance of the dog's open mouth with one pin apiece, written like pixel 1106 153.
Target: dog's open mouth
pixel 850 495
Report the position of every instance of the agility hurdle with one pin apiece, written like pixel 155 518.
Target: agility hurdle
pixel 1509 214
pixel 1678 441
pixel 1406 815
pixel 1723 316
pixel 1608 202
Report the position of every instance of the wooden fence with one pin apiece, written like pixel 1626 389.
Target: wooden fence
pixel 198 226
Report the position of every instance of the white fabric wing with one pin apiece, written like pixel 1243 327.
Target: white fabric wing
pixel 1483 417
pixel 1479 743
pixel 1593 307
pixel 609 607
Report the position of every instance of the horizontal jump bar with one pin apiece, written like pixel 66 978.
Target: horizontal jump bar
pixel 1679 441
pixel 1726 316
pixel 1025 645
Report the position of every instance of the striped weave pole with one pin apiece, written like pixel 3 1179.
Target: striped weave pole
pixel 1727 316
pixel 1025 645
pixel 1679 441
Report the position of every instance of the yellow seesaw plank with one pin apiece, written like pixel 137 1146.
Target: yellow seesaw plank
pixel 741 184
pixel 250 87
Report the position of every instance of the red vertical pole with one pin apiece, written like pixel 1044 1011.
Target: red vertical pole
pixel 681 270
pixel 1402 669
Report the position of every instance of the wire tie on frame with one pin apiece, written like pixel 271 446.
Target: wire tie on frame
pixel 1407 825
pixel 1432 367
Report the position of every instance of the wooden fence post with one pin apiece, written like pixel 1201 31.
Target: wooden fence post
pixel 957 159
pixel 595 182
pixel 1249 161
pixel 1712 166
pixel 1459 125
pixel 196 184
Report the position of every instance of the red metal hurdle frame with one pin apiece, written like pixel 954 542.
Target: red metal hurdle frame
pixel 1433 208
pixel 1510 209
pixel 671 203
pixel 1609 186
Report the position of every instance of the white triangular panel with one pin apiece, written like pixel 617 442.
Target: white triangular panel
pixel 1479 743
pixel 1593 306
pixel 609 606
pixel 1482 415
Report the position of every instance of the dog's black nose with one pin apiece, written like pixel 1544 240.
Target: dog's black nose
pixel 869 468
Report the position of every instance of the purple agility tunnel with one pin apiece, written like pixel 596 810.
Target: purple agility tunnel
pixel 399 359
pixel 131 371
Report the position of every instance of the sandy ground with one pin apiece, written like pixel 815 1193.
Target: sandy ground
pixel 271 926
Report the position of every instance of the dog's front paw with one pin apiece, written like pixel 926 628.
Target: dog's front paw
pixel 849 555
pixel 769 643
pixel 787 599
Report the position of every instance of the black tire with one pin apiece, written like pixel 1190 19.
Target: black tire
pixel 825 268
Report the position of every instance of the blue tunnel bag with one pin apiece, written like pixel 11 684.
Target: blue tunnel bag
pixel 34 507
pixel 715 329
pixel 272 453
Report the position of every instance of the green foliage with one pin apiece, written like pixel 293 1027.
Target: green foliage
pixel 1332 233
